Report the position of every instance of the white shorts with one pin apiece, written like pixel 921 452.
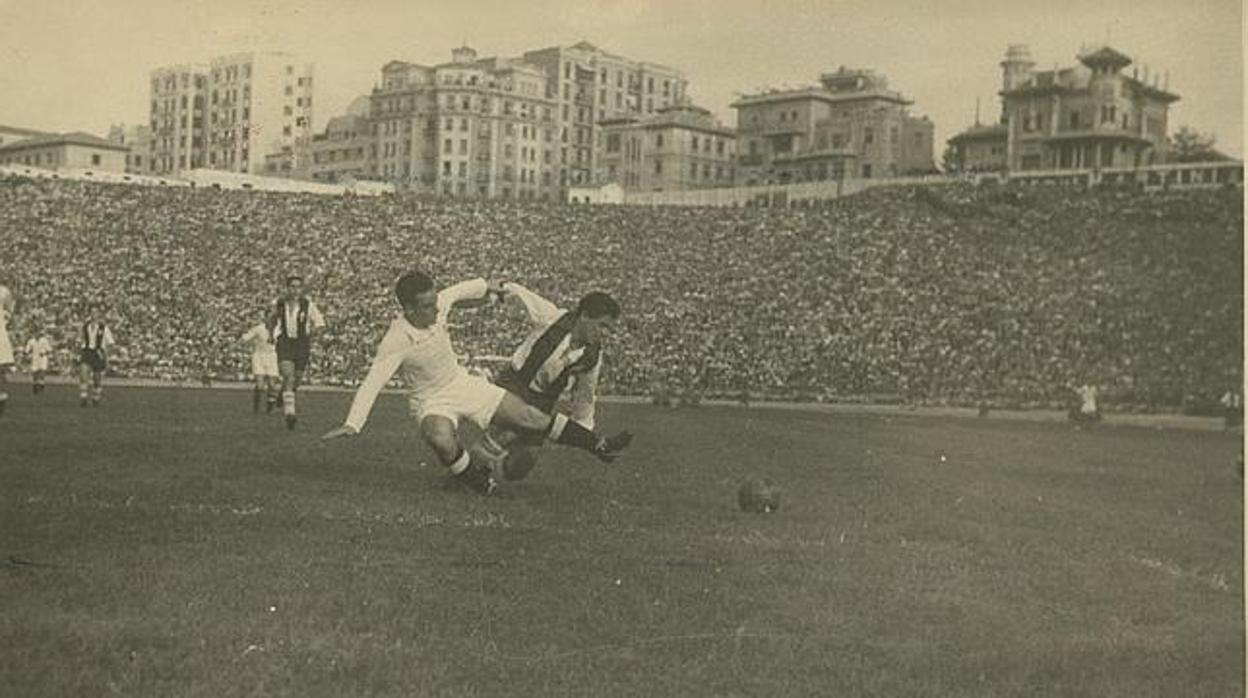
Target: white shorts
pixel 264 364
pixel 470 397
pixel 40 364
pixel 6 349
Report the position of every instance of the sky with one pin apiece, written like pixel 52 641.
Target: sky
pixel 84 65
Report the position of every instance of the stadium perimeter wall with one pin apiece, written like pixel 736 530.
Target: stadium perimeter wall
pixel 1171 176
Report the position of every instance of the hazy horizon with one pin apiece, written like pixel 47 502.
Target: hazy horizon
pixel 68 66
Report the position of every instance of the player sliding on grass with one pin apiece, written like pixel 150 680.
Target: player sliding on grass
pixel 556 367
pixel 441 391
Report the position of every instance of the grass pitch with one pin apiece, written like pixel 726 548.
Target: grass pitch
pixel 171 543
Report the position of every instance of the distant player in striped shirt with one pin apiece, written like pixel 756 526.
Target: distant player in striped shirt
pixel 264 368
pixel 8 305
pixel 556 367
pixel 441 392
pixel 295 321
pixel 97 339
pixel 38 350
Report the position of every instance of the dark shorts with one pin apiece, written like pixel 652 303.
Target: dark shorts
pixel 93 359
pixel 507 380
pixel 296 351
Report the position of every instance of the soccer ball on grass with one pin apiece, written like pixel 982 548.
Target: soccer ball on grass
pixel 758 496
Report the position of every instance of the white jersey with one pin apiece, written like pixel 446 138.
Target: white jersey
pixel 39 350
pixel 7 305
pixel 1087 393
pixel 422 356
pixel 261 341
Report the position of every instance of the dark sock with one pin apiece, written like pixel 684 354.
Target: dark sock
pixel 569 433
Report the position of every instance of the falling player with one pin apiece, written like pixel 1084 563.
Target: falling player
pixel 557 366
pixel 7 307
pixel 38 349
pixel 97 338
pixel 441 392
pixel 263 366
pixel 294 322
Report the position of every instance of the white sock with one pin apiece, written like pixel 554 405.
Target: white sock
pixel 288 402
pixel 460 464
pixel 556 427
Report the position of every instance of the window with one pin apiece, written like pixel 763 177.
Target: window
pixel 463 146
pixel 658 140
pixel 695 143
pixel 286 130
pixel 447 146
pixel 446 167
pixel 658 167
pixel 287 111
pixel 613 142
pixel 866 171
pixel 290 90
pixel 1074 120
pixel 868 136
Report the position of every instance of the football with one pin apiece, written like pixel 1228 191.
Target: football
pixel 758 496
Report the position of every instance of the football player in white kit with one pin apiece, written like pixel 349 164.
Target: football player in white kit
pixel 7 305
pixel 263 366
pixel 38 349
pixel 441 392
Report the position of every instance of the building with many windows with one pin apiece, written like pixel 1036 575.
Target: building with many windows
pixel 246 112
pixel 176 119
pixel 590 86
pixel 80 151
pixel 1090 115
pixel 343 151
pixel 850 125
pixel 677 148
pixel 470 128
pixel 137 138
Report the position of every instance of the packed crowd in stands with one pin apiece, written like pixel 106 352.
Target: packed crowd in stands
pixel 928 294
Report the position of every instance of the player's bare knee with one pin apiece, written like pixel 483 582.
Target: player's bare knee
pixel 439 432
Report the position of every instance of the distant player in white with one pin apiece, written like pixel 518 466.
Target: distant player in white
pixel 263 366
pixel 8 304
pixel 97 339
pixel 556 367
pixel 1088 410
pixel 441 392
pixel 38 350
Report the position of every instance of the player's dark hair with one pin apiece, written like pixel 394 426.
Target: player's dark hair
pixel 293 278
pixel 412 284
pixel 596 304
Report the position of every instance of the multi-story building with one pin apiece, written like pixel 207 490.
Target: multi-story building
pixel 177 119
pixel 137 138
pixel 259 111
pixel 851 125
pixel 1087 116
pixel 67 150
pixel 980 148
pixel 473 128
pixel 245 112
pixel 342 152
pixel 589 86
pixel 677 148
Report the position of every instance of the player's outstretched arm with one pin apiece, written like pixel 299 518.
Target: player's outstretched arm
pixel 541 311
pixel 385 363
